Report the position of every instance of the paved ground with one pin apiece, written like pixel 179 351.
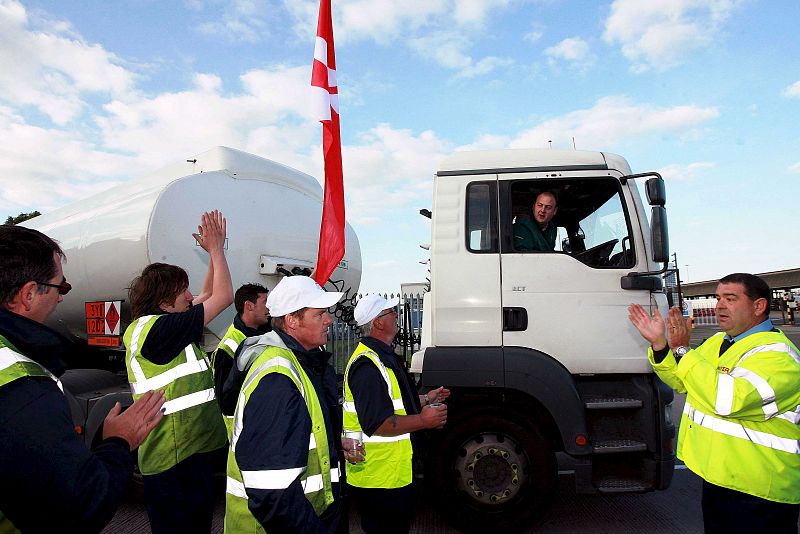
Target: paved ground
pixel 676 510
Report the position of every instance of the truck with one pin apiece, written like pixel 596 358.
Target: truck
pixel 273 215
pixel 536 347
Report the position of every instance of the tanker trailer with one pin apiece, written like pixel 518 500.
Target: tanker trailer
pixel 273 215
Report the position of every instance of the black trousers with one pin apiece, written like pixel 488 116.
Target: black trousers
pixel 181 499
pixel 730 512
pixel 384 510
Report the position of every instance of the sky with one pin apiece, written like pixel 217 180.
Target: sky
pixel 706 92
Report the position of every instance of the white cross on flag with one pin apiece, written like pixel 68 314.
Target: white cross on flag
pixel 326 102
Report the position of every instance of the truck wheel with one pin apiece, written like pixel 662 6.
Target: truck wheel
pixel 494 474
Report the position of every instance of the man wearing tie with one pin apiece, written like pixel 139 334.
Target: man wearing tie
pixel 739 431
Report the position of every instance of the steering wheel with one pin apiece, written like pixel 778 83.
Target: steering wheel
pixel 597 255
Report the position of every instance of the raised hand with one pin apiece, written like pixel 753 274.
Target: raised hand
pixel 212 231
pixel 650 327
pixel 680 328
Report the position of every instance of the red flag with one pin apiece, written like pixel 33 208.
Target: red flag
pixel 326 97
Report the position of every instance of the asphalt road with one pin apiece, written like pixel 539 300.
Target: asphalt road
pixel 674 510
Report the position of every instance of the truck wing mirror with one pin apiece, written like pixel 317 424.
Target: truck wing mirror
pixel 656 192
pixel 659 236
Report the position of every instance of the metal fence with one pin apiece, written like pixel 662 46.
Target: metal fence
pixel 343 334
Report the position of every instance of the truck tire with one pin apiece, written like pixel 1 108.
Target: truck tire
pixel 492 473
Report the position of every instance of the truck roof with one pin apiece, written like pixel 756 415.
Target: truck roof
pixel 529 159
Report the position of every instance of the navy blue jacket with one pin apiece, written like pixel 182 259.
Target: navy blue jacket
pixel 51 482
pixel 275 436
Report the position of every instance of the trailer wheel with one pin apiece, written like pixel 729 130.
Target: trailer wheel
pixel 494 474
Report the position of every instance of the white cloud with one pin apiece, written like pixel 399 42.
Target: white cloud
pixel 614 119
pixel 440 30
pixel 475 12
pixel 201 117
pixel 660 34
pixel 534 35
pixel 682 173
pixel 795 169
pixel 573 50
pixel 44 66
pixel 239 20
pixel 449 50
pixel 382 21
pixel 793 91
pixel 43 168
pixel 393 165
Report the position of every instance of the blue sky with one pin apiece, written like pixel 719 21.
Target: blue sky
pixel 707 92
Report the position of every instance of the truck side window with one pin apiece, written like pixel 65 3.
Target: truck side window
pixel 591 223
pixel 482 217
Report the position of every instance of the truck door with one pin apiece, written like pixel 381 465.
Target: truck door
pixel 466 268
pixel 567 302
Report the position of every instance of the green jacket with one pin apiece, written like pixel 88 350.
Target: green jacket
pixel 528 235
pixel 739 428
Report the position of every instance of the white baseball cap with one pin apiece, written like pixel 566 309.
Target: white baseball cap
pixel 297 292
pixel 370 306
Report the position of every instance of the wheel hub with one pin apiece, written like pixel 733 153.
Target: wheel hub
pixel 491 468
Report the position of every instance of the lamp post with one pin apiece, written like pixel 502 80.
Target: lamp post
pixel 678 280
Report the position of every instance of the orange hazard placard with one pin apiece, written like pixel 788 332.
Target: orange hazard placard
pixel 103 323
pixel 104 341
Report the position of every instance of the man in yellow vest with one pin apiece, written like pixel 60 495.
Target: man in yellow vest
pixel 163 352
pixel 252 319
pixel 50 481
pixel 283 462
pixel 383 405
pixel 739 430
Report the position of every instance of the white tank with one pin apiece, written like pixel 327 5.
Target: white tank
pixel 273 215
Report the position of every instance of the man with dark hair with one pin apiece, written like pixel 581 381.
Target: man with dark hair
pixel 739 430
pixel 252 319
pixel 537 233
pixel 283 467
pixel 163 352
pixel 43 461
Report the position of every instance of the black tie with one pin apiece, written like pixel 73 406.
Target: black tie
pixel 726 344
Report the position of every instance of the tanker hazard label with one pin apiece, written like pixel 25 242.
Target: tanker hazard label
pixel 102 323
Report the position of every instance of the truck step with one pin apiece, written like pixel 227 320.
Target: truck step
pixel 616 446
pixel 600 402
pixel 622 485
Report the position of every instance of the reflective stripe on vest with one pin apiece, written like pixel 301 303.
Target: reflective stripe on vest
pixel 193 422
pixel 276 361
pixel 233 345
pixel 188 401
pixel 310 485
pixel 736 430
pixel 388 458
pixel 9 357
pixel 315 477
pixel 726 382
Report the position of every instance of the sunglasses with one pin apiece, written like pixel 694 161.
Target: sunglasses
pixel 387 312
pixel 63 288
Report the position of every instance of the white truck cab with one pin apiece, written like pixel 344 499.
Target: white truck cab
pixel 536 345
